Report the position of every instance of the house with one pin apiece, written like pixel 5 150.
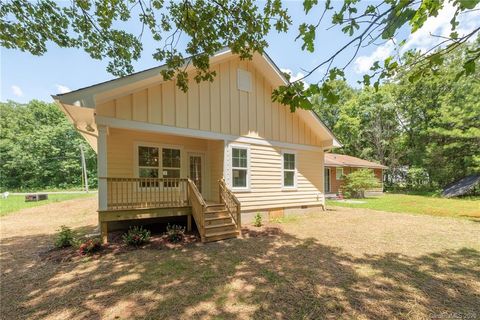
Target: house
pixel 218 152
pixel 337 166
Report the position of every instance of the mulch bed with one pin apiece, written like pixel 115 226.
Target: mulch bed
pixel 116 246
pixel 157 242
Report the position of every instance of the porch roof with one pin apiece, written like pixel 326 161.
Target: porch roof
pixel 342 160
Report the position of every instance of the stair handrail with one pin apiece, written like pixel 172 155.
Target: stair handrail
pixel 231 203
pixel 199 206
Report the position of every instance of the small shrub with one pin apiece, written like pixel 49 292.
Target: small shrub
pixel 90 246
pixel 257 220
pixel 357 182
pixel 175 233
pixel 136 236
pixel 65 237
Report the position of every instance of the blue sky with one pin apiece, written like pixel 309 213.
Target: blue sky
pixel 25 77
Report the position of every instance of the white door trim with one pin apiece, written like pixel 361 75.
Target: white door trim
pixel 203 164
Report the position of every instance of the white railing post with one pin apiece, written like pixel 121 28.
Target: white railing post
pixel 102 168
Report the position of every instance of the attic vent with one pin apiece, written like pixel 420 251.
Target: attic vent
pixel 244 80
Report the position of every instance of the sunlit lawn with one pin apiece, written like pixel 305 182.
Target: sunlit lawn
pixel 419 204
pixel 17 202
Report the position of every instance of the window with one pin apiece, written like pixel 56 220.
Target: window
pixel 239 167
pixel 289 171
pixel 149 165
pixel 171 166
pixel 339 173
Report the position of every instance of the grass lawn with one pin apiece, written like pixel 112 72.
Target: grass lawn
pixel 340 264
pixel 418 204
pixel 17 202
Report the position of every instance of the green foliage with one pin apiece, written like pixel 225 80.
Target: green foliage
pixel 417 178
pixel 65 238
pixel 100 29
pixel 359 181
pixel 90 246
pixel 429 125
pixel 40 149
pixel 175 233
pixel 136 236
pixel 257 220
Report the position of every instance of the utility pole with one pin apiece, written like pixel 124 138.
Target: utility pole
pixel 84 169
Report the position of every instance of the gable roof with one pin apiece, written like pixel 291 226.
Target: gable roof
pixel 79 105
pixel 341 160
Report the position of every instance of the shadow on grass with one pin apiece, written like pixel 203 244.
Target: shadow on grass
pixel 268 275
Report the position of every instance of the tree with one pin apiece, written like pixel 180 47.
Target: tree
pixel 440 117
pixel 39 148
pixel 98 27
pixel 428 126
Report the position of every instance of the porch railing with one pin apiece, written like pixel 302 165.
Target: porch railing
pixel 231 203
pixel 134 193
pixel 198 208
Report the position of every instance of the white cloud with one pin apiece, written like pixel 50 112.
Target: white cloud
pixel 17 91
pixel 424 38
pixel 62 89
pixel 362 64
pixel 440 25
pixel 295 77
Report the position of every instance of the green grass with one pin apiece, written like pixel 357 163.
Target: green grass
pixel 418 204
pixel 17 202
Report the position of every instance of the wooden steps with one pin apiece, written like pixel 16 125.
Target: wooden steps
pixel 219 225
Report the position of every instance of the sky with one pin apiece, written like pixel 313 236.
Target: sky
pixel 25 77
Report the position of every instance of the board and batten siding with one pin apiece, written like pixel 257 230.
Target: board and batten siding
pixel 266 176
pixel 217 106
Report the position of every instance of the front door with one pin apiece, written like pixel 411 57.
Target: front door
pixel 327 180
pixel 195 169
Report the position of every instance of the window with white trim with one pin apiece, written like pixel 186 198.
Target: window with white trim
pixel 289 170
pixel 339 173
pixel 150 166
pixel 239 167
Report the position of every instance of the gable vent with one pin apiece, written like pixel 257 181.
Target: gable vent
pixel 244 80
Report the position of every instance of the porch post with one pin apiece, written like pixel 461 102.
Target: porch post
pixel 102 167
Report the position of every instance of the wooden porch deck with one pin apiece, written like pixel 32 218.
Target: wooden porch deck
pixel 147 198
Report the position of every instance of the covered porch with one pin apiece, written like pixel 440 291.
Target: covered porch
pixel 146 175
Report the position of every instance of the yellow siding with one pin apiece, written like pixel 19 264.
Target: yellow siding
pixel 217 106
pixel 266 179
pixel 122 162
pixel 121 152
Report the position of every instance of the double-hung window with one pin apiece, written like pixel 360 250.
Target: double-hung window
pixel 339 173
pixel 151 166
pixel 240 167
pixel 289 170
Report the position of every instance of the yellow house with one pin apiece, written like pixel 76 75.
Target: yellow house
pixel 217 152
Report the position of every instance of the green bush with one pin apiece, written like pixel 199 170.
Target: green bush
pixel 257 220
pixel 136 236
pixel 90 246
pixel 65 237
pixel 357 182
pixel 175 233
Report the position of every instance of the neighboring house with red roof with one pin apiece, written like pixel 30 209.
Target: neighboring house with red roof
pixel 339 165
